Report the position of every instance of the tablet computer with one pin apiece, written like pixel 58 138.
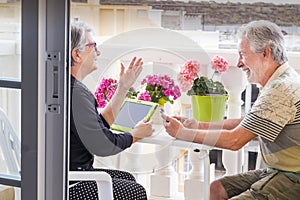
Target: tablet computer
pixel 131 112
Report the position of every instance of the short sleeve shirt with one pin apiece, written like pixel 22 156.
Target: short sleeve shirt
pixel 275 118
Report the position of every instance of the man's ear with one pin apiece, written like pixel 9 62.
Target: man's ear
pixel 75 55
pixel 267 52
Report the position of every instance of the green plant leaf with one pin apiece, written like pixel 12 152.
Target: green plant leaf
pixel 203 86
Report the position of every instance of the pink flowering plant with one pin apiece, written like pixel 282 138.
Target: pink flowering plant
pixel 191 81
pixel 159 89
pixel 156 88
pixel 105 91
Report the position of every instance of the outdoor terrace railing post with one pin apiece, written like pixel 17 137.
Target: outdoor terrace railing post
pixel 164 181
pixel 234 82
pixel 195 186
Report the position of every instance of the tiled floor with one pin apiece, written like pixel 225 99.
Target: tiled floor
pixel 216 158
pixel 180 195
pixel 219 172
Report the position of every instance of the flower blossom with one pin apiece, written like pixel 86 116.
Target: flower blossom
pixel 187 74
pixel 159 89
pixel 219 63
pixel 105 91
pixel 194 83
pixel 145 96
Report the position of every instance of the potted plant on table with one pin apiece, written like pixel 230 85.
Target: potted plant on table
pixel 106 90
pixel 159 89
pixel 155 88
pixel 208 96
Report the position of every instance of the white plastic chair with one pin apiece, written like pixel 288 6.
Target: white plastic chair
pixel 103 180
pixel 253 146
pixel 11 149
pixel 10 145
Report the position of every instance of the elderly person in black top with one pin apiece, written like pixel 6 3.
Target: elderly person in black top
pixel 90 131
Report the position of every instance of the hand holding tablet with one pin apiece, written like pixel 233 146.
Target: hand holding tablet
pixel 131 112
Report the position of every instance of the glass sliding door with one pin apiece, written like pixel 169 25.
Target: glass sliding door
pixel 10 98
pixel 33 91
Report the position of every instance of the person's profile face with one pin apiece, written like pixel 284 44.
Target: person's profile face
pixel 90 54
pixel 249 61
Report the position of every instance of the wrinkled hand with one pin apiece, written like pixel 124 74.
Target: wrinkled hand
pixel 191 123
pixel 173 126
pixel 142 129
pixel 128 77
pixel 180 118
pixel 188 122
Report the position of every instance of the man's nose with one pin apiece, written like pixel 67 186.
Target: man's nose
pixel 240 64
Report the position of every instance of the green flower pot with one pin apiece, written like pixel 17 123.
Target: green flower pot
pixel 209 108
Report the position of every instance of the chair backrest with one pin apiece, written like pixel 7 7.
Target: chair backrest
pixel 10 144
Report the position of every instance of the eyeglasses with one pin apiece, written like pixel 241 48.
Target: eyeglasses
pixel 92 44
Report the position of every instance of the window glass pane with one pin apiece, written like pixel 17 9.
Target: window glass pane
pixel 10 99
pixel 10 137
pixel 10 39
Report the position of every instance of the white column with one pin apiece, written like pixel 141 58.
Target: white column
pixel 133 164
pixel 234 82
pixel 164 181
pixel 196 186
pixel 247 108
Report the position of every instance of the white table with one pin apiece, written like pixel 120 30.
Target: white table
pixel 160 137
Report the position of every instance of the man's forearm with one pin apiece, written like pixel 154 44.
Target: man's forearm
pixel 227 124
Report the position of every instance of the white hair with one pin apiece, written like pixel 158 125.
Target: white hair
pixel 264 33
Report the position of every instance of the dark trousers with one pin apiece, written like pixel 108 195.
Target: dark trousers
pixel 125 187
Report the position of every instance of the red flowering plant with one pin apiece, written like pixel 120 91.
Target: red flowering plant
pixel 159 89
pixel 191 81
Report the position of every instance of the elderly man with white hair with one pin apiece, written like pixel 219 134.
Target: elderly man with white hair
pixel 274 119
